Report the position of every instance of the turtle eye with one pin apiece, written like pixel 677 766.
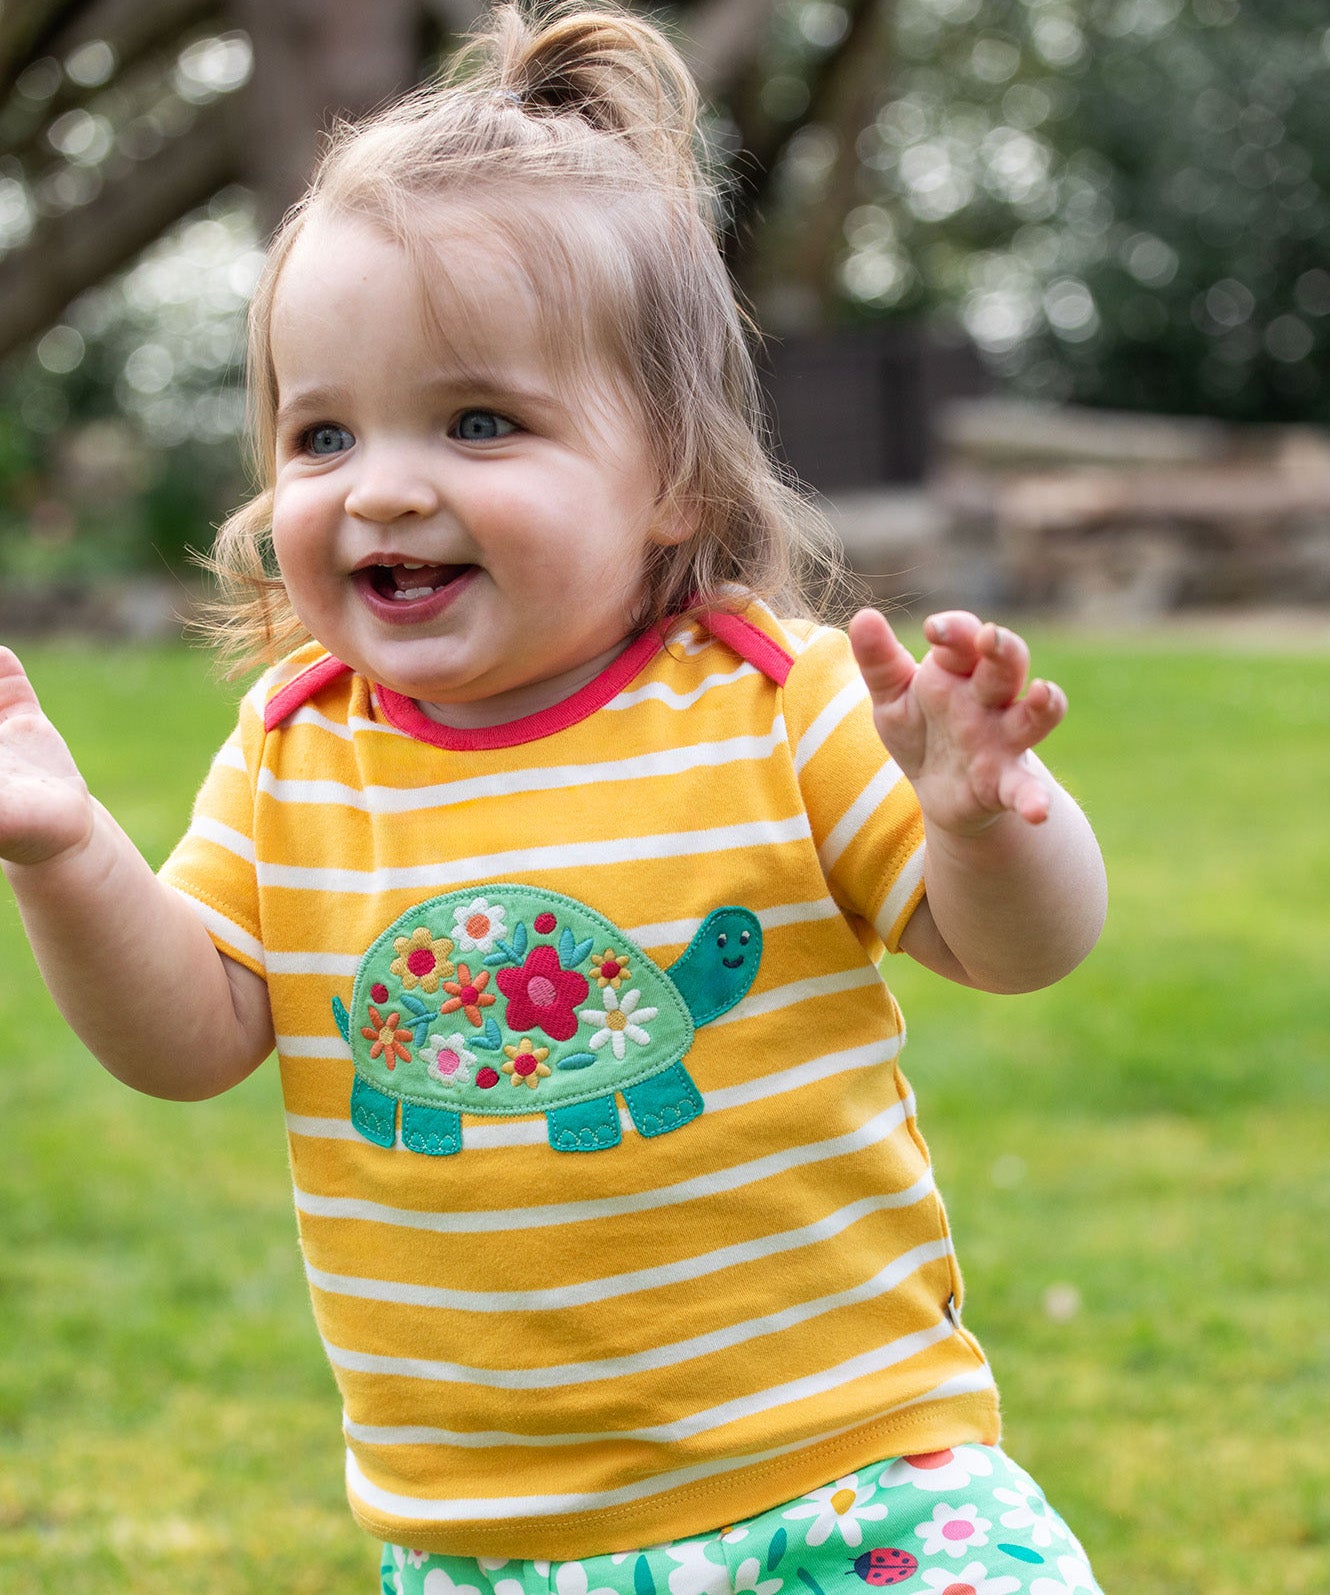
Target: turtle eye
pixel 745 936
pixel 722 940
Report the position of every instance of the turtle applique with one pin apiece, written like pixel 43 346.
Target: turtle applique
pixel 517 1000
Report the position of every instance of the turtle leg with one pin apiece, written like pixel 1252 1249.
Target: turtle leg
pixel 436 1131
pixel 585 1126
pixel 374 1113
pixel 664 1102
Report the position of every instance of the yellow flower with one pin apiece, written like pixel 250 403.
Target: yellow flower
pixel 421 960
pixel 611 968
pixel 526 1063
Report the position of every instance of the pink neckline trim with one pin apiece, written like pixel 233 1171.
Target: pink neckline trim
pixel 404 714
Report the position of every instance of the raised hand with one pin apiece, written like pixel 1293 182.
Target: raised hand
pixel 961 721
pixel 45 808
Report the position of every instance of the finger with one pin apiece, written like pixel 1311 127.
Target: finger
pixel 1004 662
pixel 1025 791
pixel 1040 711
pixel 886 665
pixel 16 694
pixel 951 637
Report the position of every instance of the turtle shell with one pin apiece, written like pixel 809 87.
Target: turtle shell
pixel 511 1000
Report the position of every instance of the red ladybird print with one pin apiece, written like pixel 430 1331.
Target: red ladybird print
pixel 886 1565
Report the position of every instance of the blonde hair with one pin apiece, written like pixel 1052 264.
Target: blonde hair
pixel 596 103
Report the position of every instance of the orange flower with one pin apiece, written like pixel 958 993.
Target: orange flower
pixel 467 994
pixel 387 1038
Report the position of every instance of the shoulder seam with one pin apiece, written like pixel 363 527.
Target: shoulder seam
pixel 300 689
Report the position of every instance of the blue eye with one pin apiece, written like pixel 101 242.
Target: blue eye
pixel 328 439
pixel 480 426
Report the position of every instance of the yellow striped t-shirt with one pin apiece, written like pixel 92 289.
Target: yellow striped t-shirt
pixel 743 1285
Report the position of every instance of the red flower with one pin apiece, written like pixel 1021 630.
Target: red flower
pixel 542 995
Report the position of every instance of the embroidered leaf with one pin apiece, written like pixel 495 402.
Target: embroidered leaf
pixel 519 940
pixel 643 1583
pixel 420 1029
pixel 572 953
pixel 779 1540
pixel 495 959
pixel 343 1019
pixel 577 1060
pixel 491 1037
pixel 414 1005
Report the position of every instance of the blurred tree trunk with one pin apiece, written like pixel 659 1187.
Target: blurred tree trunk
pixel 316 60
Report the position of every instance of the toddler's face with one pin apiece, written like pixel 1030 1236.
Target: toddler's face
pixel 460 519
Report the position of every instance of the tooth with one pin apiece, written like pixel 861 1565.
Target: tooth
pixel 413 592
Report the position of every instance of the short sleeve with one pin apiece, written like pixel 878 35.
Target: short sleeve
pixel 213 863
pixel 863 812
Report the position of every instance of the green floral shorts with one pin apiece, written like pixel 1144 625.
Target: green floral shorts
pixel 962 1522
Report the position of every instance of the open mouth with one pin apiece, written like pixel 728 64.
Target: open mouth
pixel 408 583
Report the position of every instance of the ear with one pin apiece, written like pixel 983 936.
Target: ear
pixel 674 522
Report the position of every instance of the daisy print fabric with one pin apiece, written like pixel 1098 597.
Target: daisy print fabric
pixel 965 1521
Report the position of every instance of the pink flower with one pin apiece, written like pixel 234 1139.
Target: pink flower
pixel 542 994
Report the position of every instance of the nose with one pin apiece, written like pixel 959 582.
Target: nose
pixel 391 481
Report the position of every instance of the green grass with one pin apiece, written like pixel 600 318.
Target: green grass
pixel 1141 1149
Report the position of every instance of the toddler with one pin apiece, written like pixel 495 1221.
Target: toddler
pixel 555 851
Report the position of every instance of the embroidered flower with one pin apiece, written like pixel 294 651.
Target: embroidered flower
pixel 448 1059
pixel 571 1579
pixel 421 960
pixel 842 1505
pixel 746 1579
pixel 389 1041
pixel 478 926
pixel 542 994
pixel 611 968
pixel 696 1574
pixel 937 1470
pixel 1030 1510
pixel 954 1530
pixel 619 1018
pixel 1073 1575
pixel 467 994
pixel 971 1580
pixel 526 1063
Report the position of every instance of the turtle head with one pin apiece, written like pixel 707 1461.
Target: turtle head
pixel 720 963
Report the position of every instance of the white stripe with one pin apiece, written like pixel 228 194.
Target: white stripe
pixel 532 1132
pixel 499 1220
pixel 856 816
pixel 436 1511
pixel 846 700
pixel 314 964
pixel 678 700
pixel 664 933
pixel 588 1291
pixel 901 892
pixel 572 855
pixel 231 756
pixel 551 778
pixel 223 929
pixel 798 991
pixel 559 1375
pixel 979 1378
pixel 223 836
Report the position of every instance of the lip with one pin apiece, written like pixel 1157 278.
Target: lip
pixel 411 611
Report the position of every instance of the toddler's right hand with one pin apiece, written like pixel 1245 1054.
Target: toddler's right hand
pixel 45 806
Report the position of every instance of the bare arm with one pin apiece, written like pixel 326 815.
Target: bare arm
pixel 1015 894
pixel 130 966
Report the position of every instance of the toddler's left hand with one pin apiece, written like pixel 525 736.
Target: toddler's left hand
pixel 956 722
